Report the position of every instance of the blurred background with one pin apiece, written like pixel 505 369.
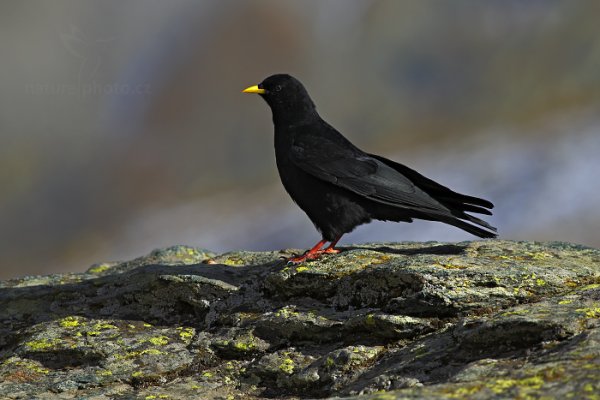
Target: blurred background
pixel 123 127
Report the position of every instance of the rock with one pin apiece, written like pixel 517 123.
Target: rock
pixel 484 319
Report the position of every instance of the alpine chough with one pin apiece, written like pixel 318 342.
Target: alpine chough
pixel 340 186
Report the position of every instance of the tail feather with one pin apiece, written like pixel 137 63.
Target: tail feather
pixel 454 203
pixel 472 229
pixel 458 204
pixel 477 221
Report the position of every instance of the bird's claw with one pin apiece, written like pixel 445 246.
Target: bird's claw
pixel 310 256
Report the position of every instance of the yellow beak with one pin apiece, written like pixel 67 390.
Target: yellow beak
pixel 254 89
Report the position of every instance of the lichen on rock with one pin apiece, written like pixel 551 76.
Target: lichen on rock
pixel 484 319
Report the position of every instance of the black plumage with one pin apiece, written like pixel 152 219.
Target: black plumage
pixel 340 186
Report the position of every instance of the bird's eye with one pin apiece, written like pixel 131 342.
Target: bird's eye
pixel 278 88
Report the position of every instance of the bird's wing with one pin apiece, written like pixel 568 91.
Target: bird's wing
pixel 349 168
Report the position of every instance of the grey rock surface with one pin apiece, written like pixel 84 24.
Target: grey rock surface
pixel 483 319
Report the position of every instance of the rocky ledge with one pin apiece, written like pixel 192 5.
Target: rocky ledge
pixel 485 319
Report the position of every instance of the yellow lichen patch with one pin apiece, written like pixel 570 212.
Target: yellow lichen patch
pixel 104 372
pixel 462 392
pixel 302 268
pixel 515 312
pixel 589 287
pixel 539 255
pixel 137 353
pixel 24 370
pixel 244 346
pixel 449 265
pixel 70 322
pixel 501 385
pixel 571 283
pixel 381 260
pixel 147 325
pixel 286 312
pixel 370 320
pixel 186 334
pixel 565 302
pixel 137 374
pixel 97 269
pixel 42 344
pixel 159 340
pixel 287 366
pixel 589 312
pixel 233 261
pixel 153 352
pixel 588 387
pixel 207 375
pixel 103 326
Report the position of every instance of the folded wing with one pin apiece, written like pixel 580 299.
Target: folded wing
pixel 386 182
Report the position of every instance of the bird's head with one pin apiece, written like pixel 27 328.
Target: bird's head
pixel 286 96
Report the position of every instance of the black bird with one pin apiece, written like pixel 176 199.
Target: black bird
pixel 340 186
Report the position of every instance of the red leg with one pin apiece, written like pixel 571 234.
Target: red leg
pixel 330 249
pixel 316 251
pixel 310 254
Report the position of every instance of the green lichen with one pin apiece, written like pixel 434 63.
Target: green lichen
pixel 158 340
pixel 462 392
pixel 104 372
pixel 287 366
pixel 103 326
pixel 98 269
pixel 186 334
pixel 286 312
pixel 244 346
pixel 70 322
pixel 540 255
pixel 370 320
pixel 32 366
pixel 501 385
pixel 522 311
pixel 589 287
pixel 589 312
pixel 42 344
pixel 137 353
pixel 153 352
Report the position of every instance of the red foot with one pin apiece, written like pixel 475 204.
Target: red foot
pixel 330 250
pixel 315 252
pixel 304 257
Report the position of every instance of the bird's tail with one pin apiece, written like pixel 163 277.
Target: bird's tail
pixel 489 232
